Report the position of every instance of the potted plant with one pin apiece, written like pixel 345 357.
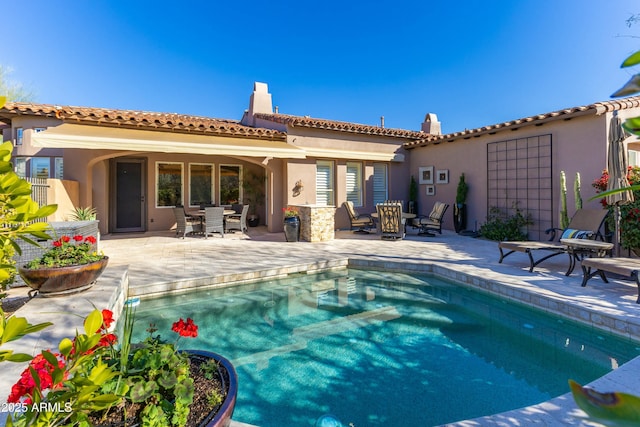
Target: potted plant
pixel 460 207
pixel 89 380
pixel 413 196
pixel 291 224
pixel 71 265
pixel 253 186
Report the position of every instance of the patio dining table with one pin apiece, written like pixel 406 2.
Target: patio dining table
pixel 200 213
pixel 405 215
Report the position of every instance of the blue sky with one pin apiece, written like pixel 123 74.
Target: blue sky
pixel 473 63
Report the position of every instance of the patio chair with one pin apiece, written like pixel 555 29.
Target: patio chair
pixel 237 221
pixel 585 224
pixel 362 222
pixel 213 221
pixel 432 222
pixel 237 207
pixel 186 224
pixel 627 268
pixel 391 221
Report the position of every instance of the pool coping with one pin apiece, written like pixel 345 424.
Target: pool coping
pixel 113 287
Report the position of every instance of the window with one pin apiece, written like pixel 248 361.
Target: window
pixel 354 183
pixel 168 184
pixel 380 192
pixel 19 136
pixel 58 168
pixel 21 167
pixel 634 158
pixel 324 183
pixel 200 184
pixel 40 167
pixel 230 184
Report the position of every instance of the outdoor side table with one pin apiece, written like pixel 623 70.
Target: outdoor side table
pixel 579 249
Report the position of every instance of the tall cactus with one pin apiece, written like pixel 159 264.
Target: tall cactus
pixel 576 190
pixel 564 216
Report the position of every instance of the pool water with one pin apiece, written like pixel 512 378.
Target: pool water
pixel 383 349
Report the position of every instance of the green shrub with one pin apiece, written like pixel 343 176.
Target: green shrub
pixel 502 226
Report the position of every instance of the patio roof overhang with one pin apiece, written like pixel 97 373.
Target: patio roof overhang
pixel 333 153
pixel 125 139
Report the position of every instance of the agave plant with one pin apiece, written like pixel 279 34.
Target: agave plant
pixel 84 214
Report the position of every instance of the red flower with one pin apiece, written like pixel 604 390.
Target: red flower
pixel 57 243
pixel 65 239
pixel 107 340
pixel 25 385
pixel 78 238
pixel 91 240
pixel 185 329
pixel 107 319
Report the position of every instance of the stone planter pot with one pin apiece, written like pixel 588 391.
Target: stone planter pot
pixel 292 229
pixel 221 416
pixel 59 281
pixel 459 217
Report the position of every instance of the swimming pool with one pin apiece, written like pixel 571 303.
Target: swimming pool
pixel 384 349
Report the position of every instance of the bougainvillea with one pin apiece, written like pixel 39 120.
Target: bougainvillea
pixel 629 213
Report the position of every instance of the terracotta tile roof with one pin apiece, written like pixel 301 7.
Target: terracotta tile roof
pixel 143 120
pixel 309 122
pixel 592 109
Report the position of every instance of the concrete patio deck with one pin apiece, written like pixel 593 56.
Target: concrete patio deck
pixel 156 262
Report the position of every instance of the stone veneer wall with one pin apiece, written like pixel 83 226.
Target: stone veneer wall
pixel 317 223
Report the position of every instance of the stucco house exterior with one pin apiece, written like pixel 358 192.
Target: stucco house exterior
pixel 134 166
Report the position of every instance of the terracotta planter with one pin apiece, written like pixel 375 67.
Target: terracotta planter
pixel 59 281
pixel 221 417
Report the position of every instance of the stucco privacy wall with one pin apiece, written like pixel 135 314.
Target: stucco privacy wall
pixel 579 145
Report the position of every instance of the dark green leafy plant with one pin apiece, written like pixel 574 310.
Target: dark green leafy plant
pixel 253 187
pixel 462 190
pixel 501 226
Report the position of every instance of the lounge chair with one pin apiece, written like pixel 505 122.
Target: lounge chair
pixel 186 224
pixel 213 221
pixel 237 221
pixel 361 222
pixel 391 221
pixel 433 222
pixel 626 267
pixel 585 224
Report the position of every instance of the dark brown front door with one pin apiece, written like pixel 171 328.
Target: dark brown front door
pixel 128 204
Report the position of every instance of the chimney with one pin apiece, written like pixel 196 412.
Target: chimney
pixel 382 122
pixel 431 125
pixel 259 102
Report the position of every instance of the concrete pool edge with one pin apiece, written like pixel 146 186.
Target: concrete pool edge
pixel 113 287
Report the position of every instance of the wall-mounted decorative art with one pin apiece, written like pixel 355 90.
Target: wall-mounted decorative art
pixel 426 174
pixel 431 190
pixel 442 176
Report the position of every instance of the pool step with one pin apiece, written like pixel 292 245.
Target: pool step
pixel 342 324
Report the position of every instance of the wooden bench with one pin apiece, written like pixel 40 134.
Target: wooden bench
pixel 626 267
